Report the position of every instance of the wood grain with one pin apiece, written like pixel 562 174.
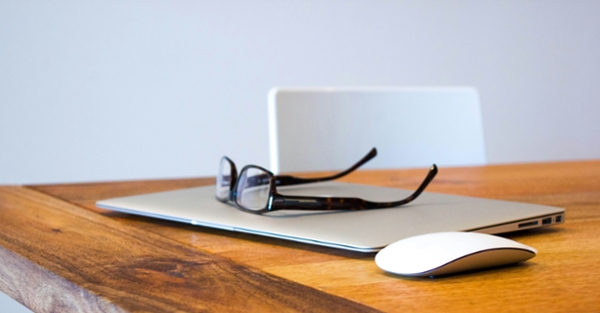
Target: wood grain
pixel 57 257
pixel 564 276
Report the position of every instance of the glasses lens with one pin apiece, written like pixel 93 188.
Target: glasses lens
pixel 223 180
pixel 252 191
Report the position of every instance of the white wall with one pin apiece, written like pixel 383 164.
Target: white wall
pixel 7 304
pixel 111 90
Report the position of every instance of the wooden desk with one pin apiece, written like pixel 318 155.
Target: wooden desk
pixel 59 253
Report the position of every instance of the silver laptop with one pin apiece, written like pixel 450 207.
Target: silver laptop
pixel 363 231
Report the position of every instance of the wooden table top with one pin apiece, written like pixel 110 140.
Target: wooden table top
pixel 59 253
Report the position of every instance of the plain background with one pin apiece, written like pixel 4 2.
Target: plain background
pixel 114 90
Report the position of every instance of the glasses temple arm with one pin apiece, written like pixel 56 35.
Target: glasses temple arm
pixel 286 180
pixel 433 170
pixel 321 203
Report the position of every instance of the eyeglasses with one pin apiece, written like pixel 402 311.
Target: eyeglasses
pixel 255 190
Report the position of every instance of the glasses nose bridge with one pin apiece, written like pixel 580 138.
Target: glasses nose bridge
pixel 231 195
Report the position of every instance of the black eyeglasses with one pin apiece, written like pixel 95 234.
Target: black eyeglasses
pixel 255 190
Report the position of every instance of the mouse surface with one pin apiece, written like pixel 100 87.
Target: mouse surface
pixel 450 252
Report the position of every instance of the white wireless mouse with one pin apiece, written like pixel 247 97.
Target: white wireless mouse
pixel 450 252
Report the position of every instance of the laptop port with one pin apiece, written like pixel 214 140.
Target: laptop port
pixel 559 219
pixel 547 221
pixel 528 224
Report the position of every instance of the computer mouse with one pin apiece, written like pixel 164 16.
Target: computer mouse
pixel 450 252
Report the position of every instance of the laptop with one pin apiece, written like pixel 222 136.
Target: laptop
pixel 364 231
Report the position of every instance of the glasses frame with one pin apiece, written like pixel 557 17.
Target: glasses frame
pixel 288 180
pixel 277 201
